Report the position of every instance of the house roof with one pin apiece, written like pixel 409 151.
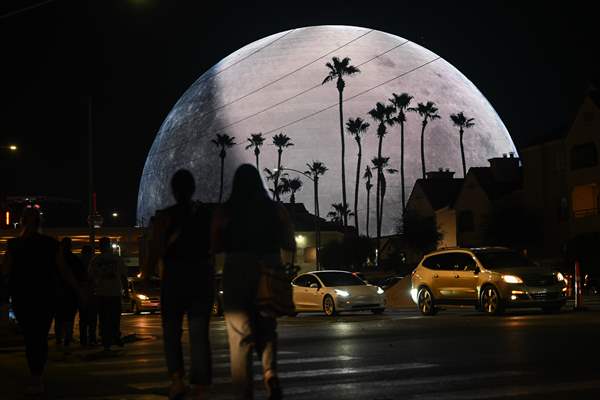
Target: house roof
pixel 305 221
pixel 493 188
pixel 440 192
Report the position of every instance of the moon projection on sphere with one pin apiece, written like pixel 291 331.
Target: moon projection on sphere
pixel 274 85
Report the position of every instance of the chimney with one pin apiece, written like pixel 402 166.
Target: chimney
pixel 440 174
pixel 505 169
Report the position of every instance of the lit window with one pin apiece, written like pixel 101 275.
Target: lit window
pixel 585 200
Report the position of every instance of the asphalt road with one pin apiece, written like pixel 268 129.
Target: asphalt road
pixel 457 355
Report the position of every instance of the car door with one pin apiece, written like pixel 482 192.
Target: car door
pixel 314 294
pixel 299 292
pixel 441 276
pixel 466 278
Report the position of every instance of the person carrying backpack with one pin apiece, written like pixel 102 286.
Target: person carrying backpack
pixel 179 247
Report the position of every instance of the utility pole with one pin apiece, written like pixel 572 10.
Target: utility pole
pixel 91 194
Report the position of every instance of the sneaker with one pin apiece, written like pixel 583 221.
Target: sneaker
pixel 35 387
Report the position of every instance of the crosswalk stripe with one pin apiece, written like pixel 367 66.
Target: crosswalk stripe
pixel 162 368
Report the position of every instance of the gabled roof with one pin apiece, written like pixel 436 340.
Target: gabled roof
pixel 305 221
pixel 493 188
pixel 440 192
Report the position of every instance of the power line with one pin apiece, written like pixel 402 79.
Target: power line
pixel 316 112
pixel 287 99
pixel 22 10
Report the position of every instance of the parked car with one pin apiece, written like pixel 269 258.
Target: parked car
pixel 141 295
pixel 336 291
pixel 490 278
pixel 387 282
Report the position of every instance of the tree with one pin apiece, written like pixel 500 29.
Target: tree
pixel 339 212
pixel 428 112
pixel 401 104
pixel 421 232
pixel 381 165
pixel 368 185
pixel 382 114
pixel 316 169
pixel 279 182
pixel 462 123
pixel 337 70
pixel 294 184
pixel 281 141
pixel 256 140
pixel 357 127
pixel 223 142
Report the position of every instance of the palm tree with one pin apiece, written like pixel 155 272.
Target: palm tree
pixel 223 142
pixel 316 169
pixel 381 165
pixel 401 103
pixel 357 127
pixel 279 182
pixel 295 184
pixel 256 140
pixel 428 112
pixel 338 213
pixel 337 70
pixel 382 114
pixel 368 185
pixel 462 122
pixel 281 141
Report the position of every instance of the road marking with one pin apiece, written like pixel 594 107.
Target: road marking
pixel 162 368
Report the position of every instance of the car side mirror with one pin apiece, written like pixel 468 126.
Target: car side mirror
pixel 314 286
pixel 476 270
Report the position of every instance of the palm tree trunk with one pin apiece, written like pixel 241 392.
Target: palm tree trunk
pixel 423 125
pixel 293 198
pixel 368 200
pixel 276 180
pixel 356 187
pixel 377 197
pixel 343 155
pixel 462 153
pixel 317 225
pixel 256 153
pixel 402 166
pixel 221 185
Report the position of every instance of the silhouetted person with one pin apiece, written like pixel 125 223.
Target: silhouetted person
pixel 88 310
pixel 35 268
pixel 251 230
pixel 180 247
pixel 67 303
pixel 108 275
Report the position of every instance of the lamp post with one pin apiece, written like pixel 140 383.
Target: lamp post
pixel 315 181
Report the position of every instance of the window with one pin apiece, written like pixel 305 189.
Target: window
pixel 311 280
pixel 340 279
pixel 463 262
pixel 584 156
pixel 465 221
pixel 439 262
pixel 585 200
pixel 302 280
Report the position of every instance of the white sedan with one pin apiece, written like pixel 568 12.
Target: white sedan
pixel 336 291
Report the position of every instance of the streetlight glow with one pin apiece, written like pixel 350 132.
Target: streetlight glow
pixel 115 214
pixel 13 147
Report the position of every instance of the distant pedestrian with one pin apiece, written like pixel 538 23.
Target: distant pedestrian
pixel 67 302
pixel 88 310
pixel 251 230
pixel 108 275
pixel 180 249
pixel 35 268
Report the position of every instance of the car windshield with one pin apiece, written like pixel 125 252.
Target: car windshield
pixel 503 259
pixel 339 279
pixel 152 285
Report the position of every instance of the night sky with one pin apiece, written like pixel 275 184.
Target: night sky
pixel 135 58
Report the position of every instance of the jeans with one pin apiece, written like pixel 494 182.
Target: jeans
pixel 173 308
pixel 109 312
pixel 248 331
pixel 65 319
pixel 35 320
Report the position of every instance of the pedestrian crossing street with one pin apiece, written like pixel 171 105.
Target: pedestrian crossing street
pixel 337 375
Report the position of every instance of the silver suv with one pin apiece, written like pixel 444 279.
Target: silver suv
pixel 490 278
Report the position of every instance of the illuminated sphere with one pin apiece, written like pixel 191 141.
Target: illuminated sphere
pixel 273 85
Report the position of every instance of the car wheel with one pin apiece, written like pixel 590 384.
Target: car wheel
pixel 378 311
pixel 425 302
pixel 491 303
pixel 329 306
pixel 135 308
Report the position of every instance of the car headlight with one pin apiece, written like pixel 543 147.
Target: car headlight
pixel 342 293
pixel 511 279
pixel 379 290
pixel 560 277
pixel 142 297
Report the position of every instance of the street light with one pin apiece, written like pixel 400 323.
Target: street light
pixel 115 214
pixel 13 147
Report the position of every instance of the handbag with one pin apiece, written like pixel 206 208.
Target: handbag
pixel 274 291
